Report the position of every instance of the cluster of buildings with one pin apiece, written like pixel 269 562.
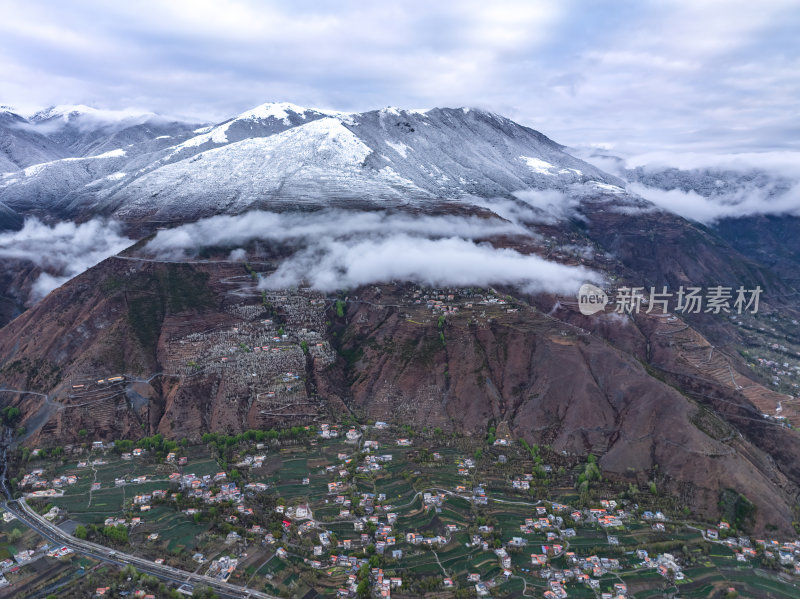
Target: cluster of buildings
pixel 35 481
pixel 450 301
pixel 222 568
pixel 23 557
pixel 376 525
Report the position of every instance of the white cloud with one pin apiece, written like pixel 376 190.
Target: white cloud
pixel 746 201
pixel 334 249
pixel 238 255
pixel 332 264
pixel 228 230
pixel 712 186
pixel 552 205
pixel 785 163
pixel 63 250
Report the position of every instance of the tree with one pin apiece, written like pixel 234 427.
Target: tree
pixel 15 535
pixel 80 532
pixel 118 534
pixel 9 414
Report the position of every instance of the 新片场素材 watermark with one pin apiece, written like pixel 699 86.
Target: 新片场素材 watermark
pixel 686 300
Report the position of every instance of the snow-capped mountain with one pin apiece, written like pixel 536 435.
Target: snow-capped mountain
pixel 284 154
pixel 80 131
pixel 261 121
pixel 85 131
pixel 21 145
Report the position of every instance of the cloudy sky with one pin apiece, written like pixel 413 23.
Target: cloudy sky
pixel 700 75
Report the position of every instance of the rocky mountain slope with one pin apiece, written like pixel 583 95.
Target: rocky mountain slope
pixel 182 333
pixel 183 337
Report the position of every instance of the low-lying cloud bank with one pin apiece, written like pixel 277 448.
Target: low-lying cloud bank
pixel 228 230
pixel 784 163
pixel 333 264
pixel 707 187
pixel 340 249
pixel 63 250
pixel 552 205
pixel 748 200
pixel 534 206
pixel 710 187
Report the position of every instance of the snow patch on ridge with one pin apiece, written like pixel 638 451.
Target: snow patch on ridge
pixel 538 165
pixel 398 147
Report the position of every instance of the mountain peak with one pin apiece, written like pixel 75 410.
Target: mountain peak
pixel 283 110
pixel 277 110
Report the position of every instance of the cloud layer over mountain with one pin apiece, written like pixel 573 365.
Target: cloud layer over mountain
pixel 708 187
pixel 63 250
pixel 341 249
pixel 748 200
pixel 331 264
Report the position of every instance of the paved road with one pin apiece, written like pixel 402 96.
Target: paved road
pixel 57 536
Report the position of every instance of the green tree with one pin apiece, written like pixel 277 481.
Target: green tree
pixel 80 532
pixel 9 415
pixel 117 534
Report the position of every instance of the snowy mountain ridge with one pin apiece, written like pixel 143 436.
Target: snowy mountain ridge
pixel 282 154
